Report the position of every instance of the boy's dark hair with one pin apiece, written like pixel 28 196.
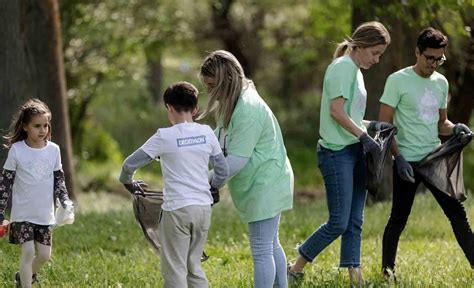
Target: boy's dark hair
pixel 431 38
pixel 183 96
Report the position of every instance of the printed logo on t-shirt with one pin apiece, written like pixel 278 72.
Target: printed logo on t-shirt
pixel 428 106
pixel 189 141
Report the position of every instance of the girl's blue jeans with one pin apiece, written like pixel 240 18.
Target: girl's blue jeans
pixel 269 260
pixel 345 181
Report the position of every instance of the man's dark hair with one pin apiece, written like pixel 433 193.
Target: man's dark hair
pixel 431 38
pixel 183 96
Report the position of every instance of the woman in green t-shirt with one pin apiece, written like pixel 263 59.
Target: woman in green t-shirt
pixel 342 147
pixel 261 183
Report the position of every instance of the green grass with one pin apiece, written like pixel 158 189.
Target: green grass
pixel 105 248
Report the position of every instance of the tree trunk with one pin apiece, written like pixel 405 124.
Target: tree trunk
pixel 153 55
pixel 462 100
pixel 32 67
pixel 230 36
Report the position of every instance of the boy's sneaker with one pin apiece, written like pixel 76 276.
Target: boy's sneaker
pixel 34 279
pixel 295 279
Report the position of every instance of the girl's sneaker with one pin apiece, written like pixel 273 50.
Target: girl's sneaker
pixel 17 279
pixel 295 279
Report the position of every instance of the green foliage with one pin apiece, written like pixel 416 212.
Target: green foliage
pixel 106 248
pixel 303 161
pixel 468 158
pixel 96 176
pixel 99 145
pixel 108 46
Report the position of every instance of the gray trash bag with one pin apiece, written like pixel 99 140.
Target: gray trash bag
pixel 147 210
pixel 443 167
pixel 375 160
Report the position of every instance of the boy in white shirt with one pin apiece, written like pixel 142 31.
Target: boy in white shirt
pixel 184 150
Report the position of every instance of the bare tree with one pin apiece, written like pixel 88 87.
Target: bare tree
pixel 32 67
pixel 232 37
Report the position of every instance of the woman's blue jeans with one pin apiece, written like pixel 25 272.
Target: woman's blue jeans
pixel 269 260
pixel 345 181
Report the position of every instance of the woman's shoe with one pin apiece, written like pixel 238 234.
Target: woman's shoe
pixel 17 279
pixel 355 277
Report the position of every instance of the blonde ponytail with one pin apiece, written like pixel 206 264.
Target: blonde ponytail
pixel 342 49
pixel 366 35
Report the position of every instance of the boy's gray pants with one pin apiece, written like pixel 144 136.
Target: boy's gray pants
pixel 183 233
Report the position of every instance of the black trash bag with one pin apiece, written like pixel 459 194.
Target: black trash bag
pixel 443 167
pixel 147 210
pixel 375 160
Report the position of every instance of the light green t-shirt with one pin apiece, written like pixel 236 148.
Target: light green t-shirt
pixel 417 101
pixel 264 187
pixel 342 78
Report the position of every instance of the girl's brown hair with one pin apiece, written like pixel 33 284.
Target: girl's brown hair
pixel 27 111
pixel 366 35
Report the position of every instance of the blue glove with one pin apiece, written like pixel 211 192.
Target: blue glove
pixel 461 128
pixel 378 126
pixel 368 143
pixel 404 169
pixel 215 195
pixel 136 187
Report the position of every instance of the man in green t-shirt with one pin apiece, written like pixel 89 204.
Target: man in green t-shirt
pixel 415 100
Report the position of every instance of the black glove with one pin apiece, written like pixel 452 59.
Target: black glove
pixel 368 143
pixel 136 187
pixel 461 128
pixel 2 217
pixel 378 126
pixel 215 195
pixel 404 169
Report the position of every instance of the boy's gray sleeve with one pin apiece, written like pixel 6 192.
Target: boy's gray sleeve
pixel 133 162
pixel 221 170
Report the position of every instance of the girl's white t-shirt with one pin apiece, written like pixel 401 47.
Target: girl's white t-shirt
pixel 32 197
pixel 184 150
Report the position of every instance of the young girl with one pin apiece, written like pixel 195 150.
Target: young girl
pixel 341 149
pixel 262 183
pixel 32 174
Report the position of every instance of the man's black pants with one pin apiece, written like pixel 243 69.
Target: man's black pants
pixel 403 197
